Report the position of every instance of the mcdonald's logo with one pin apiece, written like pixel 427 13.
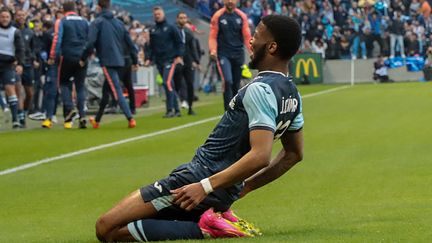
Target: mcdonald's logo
pixel 306 63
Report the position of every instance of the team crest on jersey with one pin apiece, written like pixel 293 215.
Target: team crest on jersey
pixel 165 28
pixel 238 20
pixel 224 21
pixel 27 37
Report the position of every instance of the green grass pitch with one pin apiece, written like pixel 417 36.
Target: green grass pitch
pixel 366 174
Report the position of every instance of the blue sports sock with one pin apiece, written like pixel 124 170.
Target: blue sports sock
pixel 13 104
pixel 2 102
pixel 159 230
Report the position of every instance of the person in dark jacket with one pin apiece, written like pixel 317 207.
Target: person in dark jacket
pixel 50 86
pixel 30 62
pixel 190 60
pixel 70 37
pixel 165 50
pixel 396 35
pixel 11 53
pixel 109 36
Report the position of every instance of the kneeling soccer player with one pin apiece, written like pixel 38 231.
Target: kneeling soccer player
pixel 235 159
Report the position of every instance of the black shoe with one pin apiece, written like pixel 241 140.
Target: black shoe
pixel 169 114
pixel 22 123
pixel 177 114
pixel 82 123
pixel 191 112
pixel 69 117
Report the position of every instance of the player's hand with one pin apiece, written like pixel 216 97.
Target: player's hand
pixel 213 56
pixel 189 196
pixel 50 61
pixel 178 60
pixel 196 66
pixel 147 63
pixel 36 64
pixel 135 67
pixel 81 63
pixel 19 69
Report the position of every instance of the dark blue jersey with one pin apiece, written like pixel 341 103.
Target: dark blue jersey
pixel 271 102
pixel 228 33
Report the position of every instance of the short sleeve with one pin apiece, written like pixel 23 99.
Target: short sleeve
pixel 298 121
pixel 260 104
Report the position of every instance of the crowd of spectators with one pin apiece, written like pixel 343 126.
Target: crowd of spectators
pixel 349 29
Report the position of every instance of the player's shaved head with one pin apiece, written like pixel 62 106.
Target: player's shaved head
pixel 104 4
pixel 286 33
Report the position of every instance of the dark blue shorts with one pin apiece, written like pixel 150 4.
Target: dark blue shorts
pixel 27 77
pixel 159 194
pixel 7 76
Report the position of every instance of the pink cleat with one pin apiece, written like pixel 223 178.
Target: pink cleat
pixel 213 224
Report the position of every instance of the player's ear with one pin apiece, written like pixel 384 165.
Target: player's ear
pixel 272 47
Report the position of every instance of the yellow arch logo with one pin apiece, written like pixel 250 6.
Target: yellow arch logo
pixel 306 64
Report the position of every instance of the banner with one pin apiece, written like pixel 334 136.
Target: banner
pixel 306 68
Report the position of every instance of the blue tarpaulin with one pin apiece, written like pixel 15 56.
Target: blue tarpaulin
pixel 413 64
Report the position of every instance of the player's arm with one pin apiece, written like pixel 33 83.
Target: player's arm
pixel 56 44
pixel 189 196
pixel 92 38
pixel 290 154
pixel 19 47
pixel 261 106
pixel 245 30
pixel 214 31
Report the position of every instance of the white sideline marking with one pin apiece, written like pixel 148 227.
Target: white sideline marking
pixel 132 139
pixel 103 146
pixel 325 91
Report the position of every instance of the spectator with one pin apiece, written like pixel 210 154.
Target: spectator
pixel 412 45
pixel 318 46
pixel 425 8
pixel 345 47
pixel 375 23
pixel 396 35
pixel 333 50
pixel 427 70
pixel 414 7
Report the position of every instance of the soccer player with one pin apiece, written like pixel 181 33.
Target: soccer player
pixel 229 30
pixel 70 37
pixel 165 50
pixel 11 53
pixel 235 159
pixel 109 36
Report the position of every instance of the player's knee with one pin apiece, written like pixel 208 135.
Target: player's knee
pixel 102 229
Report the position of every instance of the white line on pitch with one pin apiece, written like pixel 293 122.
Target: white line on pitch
pixel 103 146
pixel 127 140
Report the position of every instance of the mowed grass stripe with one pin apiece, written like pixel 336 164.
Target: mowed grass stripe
pixel 13 158
pixel 361 180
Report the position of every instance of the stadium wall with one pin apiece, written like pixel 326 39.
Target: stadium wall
pixel 339 71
